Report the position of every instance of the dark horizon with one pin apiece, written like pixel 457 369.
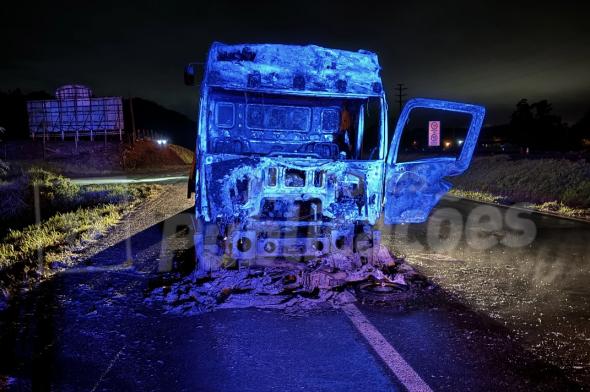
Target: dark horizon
pixel 485 53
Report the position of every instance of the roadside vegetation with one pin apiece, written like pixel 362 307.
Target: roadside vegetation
pixel 558 186
pixel 184 154
pixel 49 237
pixel 45 216
pixel 97 158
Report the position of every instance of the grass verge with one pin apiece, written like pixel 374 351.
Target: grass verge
pixel 557 186
pixel 70 217
pixel 50 238
pixel 183 153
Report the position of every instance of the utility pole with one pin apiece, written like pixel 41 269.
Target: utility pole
pixel 401 95
pixel 132 120
pixel 44 135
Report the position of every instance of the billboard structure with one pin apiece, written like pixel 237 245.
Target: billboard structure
pixel 76 113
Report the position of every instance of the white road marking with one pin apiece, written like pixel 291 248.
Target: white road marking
pixel 394 361
pixel 108 369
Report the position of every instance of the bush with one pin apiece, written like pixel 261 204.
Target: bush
pixel 60 192
pixel 578 195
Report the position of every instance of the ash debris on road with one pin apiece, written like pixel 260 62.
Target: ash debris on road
pixel 295 288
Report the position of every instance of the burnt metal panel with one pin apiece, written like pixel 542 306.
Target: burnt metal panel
pixel 294 69
pixel 412 189
pixel 242 188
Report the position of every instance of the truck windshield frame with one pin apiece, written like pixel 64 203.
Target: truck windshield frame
pixel 269 124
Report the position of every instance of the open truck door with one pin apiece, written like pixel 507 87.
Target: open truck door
pixel 414 185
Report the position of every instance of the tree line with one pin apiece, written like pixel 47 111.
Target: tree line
pixel 535 126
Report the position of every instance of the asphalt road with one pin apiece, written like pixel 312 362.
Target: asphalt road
pixel 533 280
pixel 89 328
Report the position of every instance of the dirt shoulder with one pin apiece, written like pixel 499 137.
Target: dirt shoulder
pixel 170 200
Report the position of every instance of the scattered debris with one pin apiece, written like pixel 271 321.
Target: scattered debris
pixel 322 283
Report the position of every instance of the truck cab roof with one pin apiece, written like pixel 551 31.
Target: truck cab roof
pixel 293 69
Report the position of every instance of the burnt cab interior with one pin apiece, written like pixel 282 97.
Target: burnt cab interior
pixel 248 123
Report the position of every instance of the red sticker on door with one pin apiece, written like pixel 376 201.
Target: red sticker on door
pixel 433 133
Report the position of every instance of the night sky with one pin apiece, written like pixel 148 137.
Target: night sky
pixel 487 52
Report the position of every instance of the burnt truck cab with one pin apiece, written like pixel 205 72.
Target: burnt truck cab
pixel 292 156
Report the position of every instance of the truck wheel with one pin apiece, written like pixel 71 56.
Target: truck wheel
pixel 380 292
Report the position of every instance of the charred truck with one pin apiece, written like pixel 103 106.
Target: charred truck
pixel 293 158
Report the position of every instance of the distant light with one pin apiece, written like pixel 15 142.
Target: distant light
pixel 459 141
pixel 447 144
pixel 161 142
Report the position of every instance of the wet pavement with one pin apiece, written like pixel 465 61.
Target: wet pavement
pixel 539 289
pixel 90 328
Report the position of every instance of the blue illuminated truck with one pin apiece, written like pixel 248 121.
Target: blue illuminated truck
pixel 294 159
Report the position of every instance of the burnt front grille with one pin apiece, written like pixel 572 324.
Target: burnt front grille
pixel 295 210
pixel 295 178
